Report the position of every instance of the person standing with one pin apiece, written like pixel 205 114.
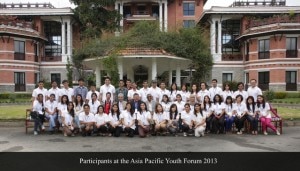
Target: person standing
pixel 228 104
pixel 78 108
pixel 150 103
pixel 66 90
pixel 122 89
pixel 54 90
pixel 163 91
pixel 207 109
pixel 89 94
pixel 202 92
pixel 94 103
pixel 136 102
pixel 226 92
pixel 185 94
pixel 155 91
pixel 107 103
pixel 241 92
pixel 81 89
pixel 173 92
pixel 39 90
pixel 214 90
pixel 107 87
pixel 144 91
pixel 133 91
pixel 128 84
pixel 253 90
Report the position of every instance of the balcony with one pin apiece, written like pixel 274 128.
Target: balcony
pixel 19 56
pixel 141 15
pixel 292 53
pixel 232 57
pixel 51 59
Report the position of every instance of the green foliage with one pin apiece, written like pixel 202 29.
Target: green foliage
pixel 111 64
pixel 280 95
pixel 69 72
pixel 91 79
pixel 232 84
pixel 4 95
pixel 269 95
pixel 12 97
pixel 293 95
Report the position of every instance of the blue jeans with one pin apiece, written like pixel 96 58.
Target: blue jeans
pixel 228 122
pixel 52 119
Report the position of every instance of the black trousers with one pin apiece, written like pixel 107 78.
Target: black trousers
pixel 240 122
pixel 186 128
pixel 129 131
pixel 115 131
pixel 102 129
pixel 209 123
pixel 218 124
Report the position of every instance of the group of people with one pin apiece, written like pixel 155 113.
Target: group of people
pixel 150 110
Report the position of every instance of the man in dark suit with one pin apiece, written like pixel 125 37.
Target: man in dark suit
pixel 136 102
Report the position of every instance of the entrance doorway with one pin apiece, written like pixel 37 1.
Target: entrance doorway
pixel 140 74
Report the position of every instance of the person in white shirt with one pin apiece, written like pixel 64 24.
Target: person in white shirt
pixel 187 124
pixel 165 102
pixel 54 90
pixel 62 107
pixel 89 94
pixel 179 103
pixel 107 87
pixel 173 125
pixel 214 89
pixel 192 101
pixel 155 91
pixel 207 109
pixel 129 120
pixel 66 90
pixel 68 120
pixel 163 91
pixel 251 114
pixel 144 91
pixel 150 104
pixel 78 108
pixel 115 122
pixel 199 121
pixel 51 112
pixel 185 94
pixel 194 91
pixel 228 104
pixel 226 92
pixel 39 90
pixel 101 121
pixel 143 120
pixel 240 110
pixel 87 121
pixel 94 103
pixel 173 92
pixel 202 92
pixel 133 91
pixel 263 109
pixel 219 115
pixel 241 92
pixel 160 120
pixel 38 107
pixel 253 90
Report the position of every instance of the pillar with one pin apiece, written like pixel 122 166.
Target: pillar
pixel 160 15
pixel 154 69
pixel 98 76
pixel 170 77
pixel 166 16
pixel 178 75
pixel 69 37
pixel 120 67
pixel 63 38
pixel 121 12
pixel 213 37
pixel 219 37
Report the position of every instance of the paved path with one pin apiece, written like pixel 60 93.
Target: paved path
pixel 14 139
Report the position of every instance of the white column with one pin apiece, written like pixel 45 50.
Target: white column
pixel 166 16
pixel 63 39
pixel 213 37
pixel 219 37
pixel 121 12
pixel 178 75
pixel 98 76
pixel 170 77
pixel 120 67
pixel 69 43
pixel 154 69
pixel 160 15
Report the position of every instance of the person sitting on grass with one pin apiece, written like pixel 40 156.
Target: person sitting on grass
pixel 87 121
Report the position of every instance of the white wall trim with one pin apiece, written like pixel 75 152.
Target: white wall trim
pixel 6 84
pixel 275 68
pixel 283 83
pixel 21 70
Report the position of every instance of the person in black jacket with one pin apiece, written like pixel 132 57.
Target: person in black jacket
pixel 136 102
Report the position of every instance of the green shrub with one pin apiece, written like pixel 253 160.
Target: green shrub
pixel 280 95
pixel 4 95
pixel 269 95
pixel 23 95
pixel 232 85
pixel 293 95
pixel 12 97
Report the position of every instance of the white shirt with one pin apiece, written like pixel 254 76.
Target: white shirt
pixel 229 109
pixel 208 109
pixel 243 93
pixel 144 92
pixel 173 115
pixel 250 112
pixel 104 89
pixel 187 117
pixel 51 106
pixel 225 94
pixel 217 108
pixel 143 117
pixel 173 95
pixel 114 119
pixel 240 108
pixel 180 106
pixel 37 107
pixel 155 93
pixel 69 92
pixel 78 109
pixel 160 117
pixel 254 92
pixel 131 93
pixel 199 118
pixel 94 107
pixel 166 106
pixel 202 94
pixel 62 107
pixel 163 92
pixel 55 91
pixel 68 118
pixel 40 91
pixel 128 119
pixel 89 95
pixel 185 95
pixel 86 118
pixel 101 119
pixel 213 91
pixel 265 112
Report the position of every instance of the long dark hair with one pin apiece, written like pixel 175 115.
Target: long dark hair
pixel 263 102
pixel 176 111
pixel 231 101
pixel 61 99
pixel 220 99
pixel 140 109
pixel 166 97
pixel 156 111
pixel 253 104
pixel 172 86
pixel 113 112
pixel 204 102
pixel 195 113
pixel 81 100
pixel 197 88
pixel 131 108
pixel 71 112
pixel 92 97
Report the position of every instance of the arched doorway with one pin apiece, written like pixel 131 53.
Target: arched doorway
pixel 140 74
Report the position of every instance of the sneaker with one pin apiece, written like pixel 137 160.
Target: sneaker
pixel 265 133
pixel 35 133
pixel 277 132
pixel 239 133
pixel 184 134
pixel 43 127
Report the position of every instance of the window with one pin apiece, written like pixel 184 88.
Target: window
pixel 291 80
pixel 230 31
pixel 227 77
pixel 188 23
pixel 53 34
pixel 19 50
pixel 291 47
pixel 56 77
pixel 188 9
pixel 264 49
pixel 19 81
pixel 263 80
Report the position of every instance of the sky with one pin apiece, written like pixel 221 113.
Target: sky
pixel 66 3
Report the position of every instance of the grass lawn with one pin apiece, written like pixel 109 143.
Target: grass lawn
pixel 17 100
pixel 18 112
pixel 287 100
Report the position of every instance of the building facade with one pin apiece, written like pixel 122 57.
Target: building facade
pixel 256 41
pixel 36 41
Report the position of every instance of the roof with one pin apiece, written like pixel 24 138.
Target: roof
pixel 36 11
pixel 22 32
pixel 142 51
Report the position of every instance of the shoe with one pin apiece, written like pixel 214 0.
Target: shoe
pixel 202 134
pixel 253 133
pixel 35 133
pixel 239 133
pixel 43 128
pixel 277 132
pixel 184 134
pixel 265 133
pixel 73 135
pixel 65 134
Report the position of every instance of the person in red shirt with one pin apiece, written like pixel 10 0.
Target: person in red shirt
pixel 107 103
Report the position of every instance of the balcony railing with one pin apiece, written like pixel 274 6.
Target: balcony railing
pixel 51 58
pixel 19 56
pixel 232 57
pixel 264 55
pixel 291 53
pixel 259 3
